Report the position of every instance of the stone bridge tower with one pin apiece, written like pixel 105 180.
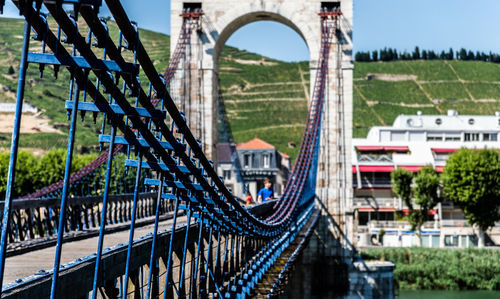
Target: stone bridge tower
pixel 220 20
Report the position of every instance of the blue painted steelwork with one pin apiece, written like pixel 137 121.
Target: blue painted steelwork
pixel 80 62
pixel 67 171
pixel 132 226
pixel 104 212
pixel 11 175
pixel 245 245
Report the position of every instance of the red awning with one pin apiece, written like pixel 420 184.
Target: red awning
pixel 396 148
pixel 376 210
pixel 390 148
pixel 364 148
pixel 431 212
pixel 439 168
pixel 354 169
pixel 412 168
pixel 376 168
pixel 444 150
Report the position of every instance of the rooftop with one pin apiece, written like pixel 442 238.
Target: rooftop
pixel 255 143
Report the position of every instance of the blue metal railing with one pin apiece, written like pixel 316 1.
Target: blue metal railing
pixel 222 241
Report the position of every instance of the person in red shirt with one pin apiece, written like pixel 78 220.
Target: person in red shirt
pixel 249 198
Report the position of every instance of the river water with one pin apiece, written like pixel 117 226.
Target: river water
pixel 421 294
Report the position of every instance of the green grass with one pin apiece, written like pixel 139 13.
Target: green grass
pixel 363 116
pixel 446 90
pixel 392 92
pixel 431 70
pixel 476 70
pixel 362 69
pixel 484 90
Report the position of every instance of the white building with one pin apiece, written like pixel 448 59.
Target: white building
pixel 258 160
pixel 412 142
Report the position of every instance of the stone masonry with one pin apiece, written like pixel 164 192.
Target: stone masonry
pixel 220 20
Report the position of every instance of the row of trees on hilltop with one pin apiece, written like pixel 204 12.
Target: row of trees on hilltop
pixel 471 180
pixel 388 54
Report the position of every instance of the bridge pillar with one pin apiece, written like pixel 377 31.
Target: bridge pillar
pixel 334 188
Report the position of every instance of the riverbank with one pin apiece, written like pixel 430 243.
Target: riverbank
pixel 441 269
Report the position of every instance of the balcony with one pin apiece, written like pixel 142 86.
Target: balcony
pixel 387 158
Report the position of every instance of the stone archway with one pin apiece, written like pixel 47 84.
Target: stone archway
pixel 221 19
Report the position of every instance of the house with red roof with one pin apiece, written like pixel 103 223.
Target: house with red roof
pixel 258 160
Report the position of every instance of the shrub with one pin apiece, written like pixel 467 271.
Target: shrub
pixel 444 269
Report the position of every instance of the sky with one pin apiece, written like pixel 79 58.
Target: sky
pixel 400 24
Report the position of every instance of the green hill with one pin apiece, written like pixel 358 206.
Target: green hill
pixel 383 90
pixel 264 97
pixel 268 98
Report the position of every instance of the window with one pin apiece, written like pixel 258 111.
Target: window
pixel 398 136
pixel 440 157
pixel 450 241
pixel 385 136
pixel 192 5
pixel 330 5
pixel 471 136
pixel 452 137
pixel 247 161
pixel 490 137
pixel 435 137
pixel 266 160
pixel 226 174
pixel 417 136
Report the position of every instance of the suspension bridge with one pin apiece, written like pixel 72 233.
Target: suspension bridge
pixel 149 217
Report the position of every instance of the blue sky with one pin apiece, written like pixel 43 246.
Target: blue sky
pixel 400 24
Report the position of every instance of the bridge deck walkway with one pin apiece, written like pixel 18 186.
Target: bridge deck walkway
pixel 29 263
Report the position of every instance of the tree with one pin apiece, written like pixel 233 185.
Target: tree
pixel 401 180
pixel 416 53
pixel 51 167
pixel 424 187
pixel 462 55
pixel 470 55
pixel 431 55
pixel 375 55
pixel 471 180
pixel 426 197
pixel 25 174
pixel 11 71
pixel 450 54
pixel 362 56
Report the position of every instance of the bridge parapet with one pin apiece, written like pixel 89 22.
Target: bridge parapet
pixel 34 222
pixel 76 278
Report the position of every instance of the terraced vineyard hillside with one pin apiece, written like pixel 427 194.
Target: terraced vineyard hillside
pixel 383 90
pixel 265 98
pixel 268 98
pixel 48 94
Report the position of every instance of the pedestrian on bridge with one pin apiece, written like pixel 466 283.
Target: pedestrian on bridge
pixel 265 193
pixel 249 198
